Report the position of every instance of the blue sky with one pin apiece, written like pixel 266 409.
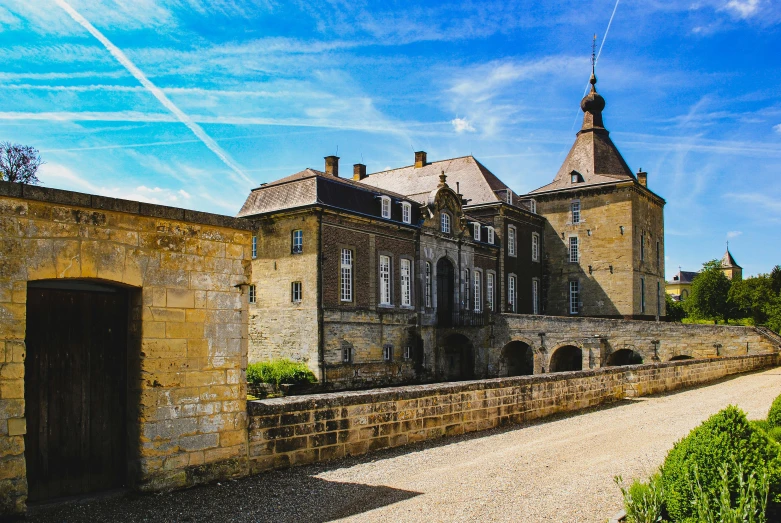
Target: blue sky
pixel 226 94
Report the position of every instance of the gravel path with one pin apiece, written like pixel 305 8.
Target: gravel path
pixel 560 470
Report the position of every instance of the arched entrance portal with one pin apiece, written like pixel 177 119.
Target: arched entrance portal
pixel 566 358
pixel 681 357
pixel 445 292
pixel 624 357
pixel 459 358
pixel 75 387
pixel 518 359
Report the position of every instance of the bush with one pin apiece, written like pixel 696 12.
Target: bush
pixel 726 437
pixel 748 506
pixel 280 371
pixel 643 502
pixel 774 415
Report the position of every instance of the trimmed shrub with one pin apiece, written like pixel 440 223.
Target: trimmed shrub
pixel 726 437
pixel 774 415
pixel 643 502
pixel 280 371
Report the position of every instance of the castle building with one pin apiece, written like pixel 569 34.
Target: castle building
pixel 680 287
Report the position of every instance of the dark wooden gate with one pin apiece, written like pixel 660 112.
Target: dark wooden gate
pixel 75 389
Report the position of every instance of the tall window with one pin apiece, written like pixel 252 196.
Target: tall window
pixel 477 231
pixel 658 299
pixel 253 296
pixel 385 206
pixel 535 296
pixel 466 288
pixel 385 280
pixel 658 256
pixel 511 240
pixel 347 275
pixel 406 282
pixel 511 293
pixel 445 222
pixel 642 246
pixel 574 297
pixel 642 294
pixel 387 352
pixel 298 241
pixel 408 352
pixel 573 248
pixel 428 284
pixel 490 233
pixel 406 212
pixel 347 352
pixel 295 292
pixel 575 208
pixel 535 247
pixel 489 290
pixel 478 293
pixel 533 206
pixel 254 246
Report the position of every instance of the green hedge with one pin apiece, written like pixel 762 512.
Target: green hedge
pixel 774 415
pixel 280 371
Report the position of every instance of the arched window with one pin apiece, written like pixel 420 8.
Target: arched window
pixel 445 223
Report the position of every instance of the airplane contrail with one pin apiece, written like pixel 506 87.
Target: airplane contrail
pixel 117 53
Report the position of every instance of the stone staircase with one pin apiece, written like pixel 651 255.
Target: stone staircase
pixel 769 335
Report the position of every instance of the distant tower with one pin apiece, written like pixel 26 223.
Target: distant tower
pixel 730 268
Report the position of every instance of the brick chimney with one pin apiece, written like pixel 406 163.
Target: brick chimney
pixel 420 159
pixel 359 172
pixel 642 177
pixel 332 165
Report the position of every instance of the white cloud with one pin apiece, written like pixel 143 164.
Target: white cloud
pixel 733 234
pixel 758 200
pixel 743 8
pixel 462 124
pixel 777 128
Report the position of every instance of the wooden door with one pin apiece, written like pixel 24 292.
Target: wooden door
pixel 75 389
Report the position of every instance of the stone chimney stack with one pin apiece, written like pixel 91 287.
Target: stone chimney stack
pixel 332 165
pixel 359 172
pixel 420 159
pixel 642 177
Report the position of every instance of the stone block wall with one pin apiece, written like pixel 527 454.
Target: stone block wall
pixel 293 431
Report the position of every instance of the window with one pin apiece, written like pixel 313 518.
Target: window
pixel 477 231
pixel 385 280
pixel 428 284
pixel 509 196
pixel 511 296
pixel 298 242
pixel 252 294
pixel 642 246
pixel 658 299
pixel 406 212
pixel 385 206
pixel 642 294
pixel 490 233
pixel 511 240
pixel 407 352
pixel 573 249
pixel 466 288
pixel 658 256
pixel 575 209
pixel 406 282
pixel 535 296
pixel 533 206
pixel 295 292
pixel 535 247
pixel 489 290
pixel 575 177
pixel 254 246
pixel 347 352
pixel 445 222
pixel 347 275
pixel 478 293
pixel 387 352
pixel 574 296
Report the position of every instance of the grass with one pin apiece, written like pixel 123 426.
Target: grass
pixel 280 371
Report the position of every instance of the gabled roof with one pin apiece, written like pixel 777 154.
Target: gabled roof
pixel 683 277
pixel 728 262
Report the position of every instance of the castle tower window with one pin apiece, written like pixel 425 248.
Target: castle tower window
pixel 347 352
pixel 489 290
pixel 406 282
pixel 642 246
pixel 406 212
pixel 252 294
pixel 385 281
pixel 658 256
pixel 573 249
pixel 428 284
pixel 658 299
pixel 535 247
pixel 476 227
pixel 574 297
pixel 535 296
pixel 385 207
pixel 490 235
pixel 387 352
pixel 642 294
pixel 511 293
pixel 295 292
pixel 298 242
pixel 511 242
pixel 347 275
pixel 445 223
pixel 478 293
pixel 407 352
pixel 575 209
pixel 254 246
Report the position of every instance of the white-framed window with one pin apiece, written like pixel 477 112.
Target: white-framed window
pixel 445 222
pixel 478 291
pixel 642 294
pixel 476 228
pixel 295 292
pixel 489 290
pixel 512 297
pixel 490 235
pixel 535 296
pixel 298 242
pixel 533 206
pixel 406 212
pixel 573 249
pixel 254 245
pixel 406 282
pixel 253 294
pixel 511 240
pixel 347 275
pixel 407 352
pixel 387 352
pixel 535 247
pixel 385 280
pixel 575 211
pixel 428 284
pixel 466 288
pixel 347 352
pixel 385 206
pixel 574 297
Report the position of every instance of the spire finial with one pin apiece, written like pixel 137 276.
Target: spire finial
pixel 442 179
pixel 593 80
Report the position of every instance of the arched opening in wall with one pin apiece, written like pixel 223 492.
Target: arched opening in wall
pixel 459 358
pixel 518 358
pixel 445 291
pixel 624 357
pixel 75 387
pixel 681 357
pixel 566 358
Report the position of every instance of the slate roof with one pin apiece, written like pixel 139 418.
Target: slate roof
pixel 683 277
pixel 727 261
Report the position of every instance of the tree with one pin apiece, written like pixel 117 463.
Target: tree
pixel 675 310
pixel 775 278
pixel 19 163
pixel 751 296
pixel 710 290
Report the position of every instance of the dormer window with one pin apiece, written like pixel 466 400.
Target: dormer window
pixel 490 238
pixel 385 207
pixel 533 206
pixel 509 196
pixel 445 223
pixel 477 231
pixel 576 177
pixel 406 212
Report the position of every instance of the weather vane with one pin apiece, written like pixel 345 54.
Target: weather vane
pixel 594 52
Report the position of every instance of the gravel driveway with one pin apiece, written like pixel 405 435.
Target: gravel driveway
pixel 559 470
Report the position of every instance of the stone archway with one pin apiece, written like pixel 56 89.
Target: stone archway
pixel 566 358
pixel 624 357
pixel 459 358
pixel 518 359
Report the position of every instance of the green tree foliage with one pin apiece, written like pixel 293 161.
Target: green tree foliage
pixel 774 414
pixel 751 296
pixel 709 294
pixel 675 309
pixel 19 163
pixel 775 278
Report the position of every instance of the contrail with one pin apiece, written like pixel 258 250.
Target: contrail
pixel 156 92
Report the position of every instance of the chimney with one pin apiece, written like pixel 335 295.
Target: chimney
pixel 642 177
pixel 359 172
pixel 332 165
pixel 420 159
